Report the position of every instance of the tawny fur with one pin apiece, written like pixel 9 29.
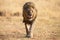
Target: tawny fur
pixel 29 16
pixel 29 7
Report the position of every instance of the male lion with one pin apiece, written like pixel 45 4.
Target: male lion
pixel 29 16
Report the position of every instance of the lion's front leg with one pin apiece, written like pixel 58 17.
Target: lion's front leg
pixel 30 31
pixel 27 33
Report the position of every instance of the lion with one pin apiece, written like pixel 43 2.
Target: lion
pixel 29 16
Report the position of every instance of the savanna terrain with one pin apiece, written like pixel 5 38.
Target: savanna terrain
pixel 46 26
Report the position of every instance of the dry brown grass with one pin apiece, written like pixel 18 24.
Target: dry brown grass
pixel 46 27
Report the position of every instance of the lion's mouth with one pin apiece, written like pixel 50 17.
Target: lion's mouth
pixel 29 17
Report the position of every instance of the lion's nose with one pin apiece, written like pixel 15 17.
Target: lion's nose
pixel 29 13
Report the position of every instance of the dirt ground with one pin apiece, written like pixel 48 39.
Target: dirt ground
pixel 46 26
